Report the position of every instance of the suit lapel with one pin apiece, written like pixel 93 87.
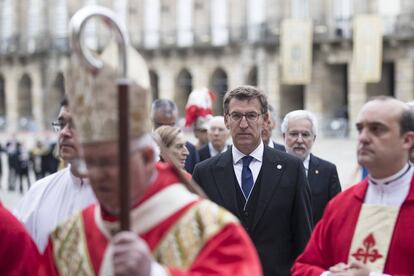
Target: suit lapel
pixel 312 170
pixel 272 169
pixel 223 175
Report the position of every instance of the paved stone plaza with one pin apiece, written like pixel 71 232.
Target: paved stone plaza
pixel 342 152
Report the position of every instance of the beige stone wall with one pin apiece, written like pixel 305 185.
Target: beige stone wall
pixel 323 96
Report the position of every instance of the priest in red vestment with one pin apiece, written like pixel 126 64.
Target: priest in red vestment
pixel 368 229
pixel 172 232
pixel 18 253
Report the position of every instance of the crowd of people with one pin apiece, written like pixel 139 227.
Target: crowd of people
pixel 23 162
pixel 263 209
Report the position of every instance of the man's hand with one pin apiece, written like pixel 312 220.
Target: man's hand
pixel 131 255
pixel 352 269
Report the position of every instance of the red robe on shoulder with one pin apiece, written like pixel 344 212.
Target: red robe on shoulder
pixel 228 251
pixel 331 240
pixel 18 253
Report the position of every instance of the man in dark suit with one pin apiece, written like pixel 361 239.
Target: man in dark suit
pixel 217 134
pixel 265 188
pixel 299 132
pixel 165 112
pixel 268 131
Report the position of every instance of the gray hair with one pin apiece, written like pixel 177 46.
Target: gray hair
pixel 297 115
pixel 164 106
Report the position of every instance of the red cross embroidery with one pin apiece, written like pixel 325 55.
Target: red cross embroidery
pixel 368 253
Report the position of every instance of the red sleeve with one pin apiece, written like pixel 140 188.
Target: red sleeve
pixel 47 263
pixel 18 253
pixel 230 252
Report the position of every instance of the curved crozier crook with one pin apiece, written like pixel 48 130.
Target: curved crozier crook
pixel 76 27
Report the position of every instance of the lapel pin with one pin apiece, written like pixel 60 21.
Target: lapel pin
pixel 279 166
pixel 316 172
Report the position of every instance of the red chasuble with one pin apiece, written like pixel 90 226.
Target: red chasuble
pixel 199 238
pixel 331 240
pixel 18 253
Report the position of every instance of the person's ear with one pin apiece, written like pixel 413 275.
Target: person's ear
pixel 408 140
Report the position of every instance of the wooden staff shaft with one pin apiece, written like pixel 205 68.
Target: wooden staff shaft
pixel 123 143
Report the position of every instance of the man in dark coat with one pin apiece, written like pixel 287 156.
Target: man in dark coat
pixel 265 188
pixel 299 131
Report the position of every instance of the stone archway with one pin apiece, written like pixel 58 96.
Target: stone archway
pixel 24 103
pixel 3 109
pixel 252 78
pixel 55 97
pixel 183 88
pixel 154 81
pixel 219 85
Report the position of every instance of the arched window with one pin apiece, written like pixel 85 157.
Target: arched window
pixel 252 76
pixel 154 85
pixel 184 86
pixel 24 102
pixel 219 85
pixel 53 99
pixel 2 103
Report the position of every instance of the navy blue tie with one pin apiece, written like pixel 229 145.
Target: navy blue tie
pixel 247 177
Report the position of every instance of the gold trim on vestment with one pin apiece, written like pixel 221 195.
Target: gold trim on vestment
pixel 182 244
pixel 70 248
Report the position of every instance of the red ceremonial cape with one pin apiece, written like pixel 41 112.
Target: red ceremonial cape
pixel 331 240
pixel 229 252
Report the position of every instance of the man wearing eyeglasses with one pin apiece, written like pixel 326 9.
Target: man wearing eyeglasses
pixel 55 198
pixel 265 188
pixel 299 132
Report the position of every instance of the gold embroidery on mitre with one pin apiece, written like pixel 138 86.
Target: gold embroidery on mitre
pixel 70 249
pixel 182 244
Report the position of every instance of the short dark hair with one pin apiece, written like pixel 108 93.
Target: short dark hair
pixel 245 92
pixel 407 120
pixel 164 106
pixel 64 102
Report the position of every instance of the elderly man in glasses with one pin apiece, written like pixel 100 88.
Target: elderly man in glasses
pixel 299 132
pixel 55 198
pixel 265 188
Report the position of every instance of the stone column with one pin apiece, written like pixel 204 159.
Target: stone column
pixel 357 96
pixel 11 90
pixel 37 96
pixel 404 79
pixel 316 90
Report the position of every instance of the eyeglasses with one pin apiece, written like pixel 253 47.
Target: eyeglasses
pixel 303 134
pixel 250 116
pixel 60 125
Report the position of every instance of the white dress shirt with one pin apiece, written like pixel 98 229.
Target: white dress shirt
pixel 255 164
pixel 306 164
pixel 213 151
pixel 50 201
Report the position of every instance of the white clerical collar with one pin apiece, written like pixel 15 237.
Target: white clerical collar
pixel 390 191
pixel 256 154
pixel 213 151
pixel 78 181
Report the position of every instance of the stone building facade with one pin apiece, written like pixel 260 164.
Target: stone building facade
pixel 217 43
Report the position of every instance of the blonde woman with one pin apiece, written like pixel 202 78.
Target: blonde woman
pixel 174 139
